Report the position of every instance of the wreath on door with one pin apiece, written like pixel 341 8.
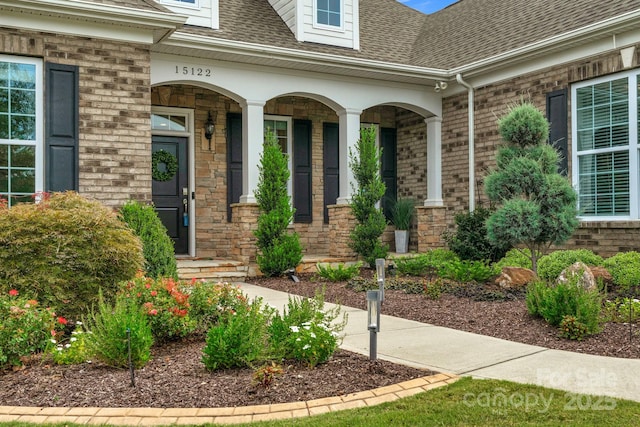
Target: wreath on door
pixel 170 163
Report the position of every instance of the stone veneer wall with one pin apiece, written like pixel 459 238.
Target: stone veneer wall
pixel 115 105
pixel 213 230
pixel 412 164
pixel 492 101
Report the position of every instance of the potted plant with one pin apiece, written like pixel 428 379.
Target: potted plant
pixel 401 216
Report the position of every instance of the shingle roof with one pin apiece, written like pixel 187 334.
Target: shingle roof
pixel 464 32
pixel 255 21
pixel 470 30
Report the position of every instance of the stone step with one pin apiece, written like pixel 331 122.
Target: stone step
pixel 214 270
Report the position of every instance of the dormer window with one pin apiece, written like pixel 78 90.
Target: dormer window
pixel 329 13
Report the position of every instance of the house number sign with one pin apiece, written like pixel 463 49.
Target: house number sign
pixel 193 71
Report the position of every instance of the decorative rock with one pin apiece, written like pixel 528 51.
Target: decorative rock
pixel 603 274
pixel 585 276
pixel 515 277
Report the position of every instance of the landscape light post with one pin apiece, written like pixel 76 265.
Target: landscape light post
pixel 373 322
pixel 380 264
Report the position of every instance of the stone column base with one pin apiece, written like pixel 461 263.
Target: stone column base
pixel 244 220
pixel 341 223
pixel 431 224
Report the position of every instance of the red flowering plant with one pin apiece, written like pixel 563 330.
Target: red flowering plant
pixel 26 328
pixel 210 302
pixel 165 303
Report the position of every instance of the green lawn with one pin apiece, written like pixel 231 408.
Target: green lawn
pixel 470 402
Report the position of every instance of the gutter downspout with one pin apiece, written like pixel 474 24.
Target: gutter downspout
pixel 472 160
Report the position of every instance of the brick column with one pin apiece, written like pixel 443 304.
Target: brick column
pixel 341 223
pixel 431 224
pixel 244 220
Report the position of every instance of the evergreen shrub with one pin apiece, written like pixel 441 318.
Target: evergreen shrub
pixel 278 251
pixel 551 265
pixel 157 246
pixel 624 268
pixel 470 242
pixel 368 189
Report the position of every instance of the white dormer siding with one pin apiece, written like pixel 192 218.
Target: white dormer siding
pixel 201 13
pixel 304 21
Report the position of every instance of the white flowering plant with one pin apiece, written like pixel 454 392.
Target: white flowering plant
pixel 306 331
pixel 72 350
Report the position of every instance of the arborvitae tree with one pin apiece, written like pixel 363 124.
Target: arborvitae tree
pixel 538 205
pixel 367 192
pixel 278 251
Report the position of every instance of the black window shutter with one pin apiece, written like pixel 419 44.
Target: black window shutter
pixel 61 129
pixel 389 169
pixel 234 160
pixel 331 160
pixel 302 191
pixel 558 130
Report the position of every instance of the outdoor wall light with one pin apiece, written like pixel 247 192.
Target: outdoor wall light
pixel 440 86
pixel 209 127
pixel 373 322
pixel 380 265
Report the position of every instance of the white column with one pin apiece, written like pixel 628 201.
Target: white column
pixel 252 140
pixel 349 135
pixel 434 162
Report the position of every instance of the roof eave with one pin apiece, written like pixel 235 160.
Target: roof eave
pixel 162 24
pixel 206 46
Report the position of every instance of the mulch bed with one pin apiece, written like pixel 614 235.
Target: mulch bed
pixel 176 378
pixel 468 310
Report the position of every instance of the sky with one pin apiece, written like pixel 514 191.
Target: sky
pixel 427 6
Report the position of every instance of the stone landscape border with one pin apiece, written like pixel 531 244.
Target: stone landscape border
pixel 241 414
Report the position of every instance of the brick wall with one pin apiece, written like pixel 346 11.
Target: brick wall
pixel 115 142
pixel 491 102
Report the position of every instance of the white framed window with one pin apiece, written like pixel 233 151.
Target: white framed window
pixel 281 127
pixel 21 141
pixel 605 147
pixel 328 14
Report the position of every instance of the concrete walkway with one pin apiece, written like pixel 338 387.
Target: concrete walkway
pixel 462 353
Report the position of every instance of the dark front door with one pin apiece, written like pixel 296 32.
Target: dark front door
pixel 170 191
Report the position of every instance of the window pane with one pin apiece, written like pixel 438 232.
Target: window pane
pixel 23 181
pixel 584 97
pixel 323 18
pixel 4 156
pixel 23 156
pixel 168 122
pixel 23 128
pixel 23 102
pixel 4 180
pixel 323 4
pixel 4 100
pixel 22 76
pixel 334 19
pixel 4 126
pixel 4 74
